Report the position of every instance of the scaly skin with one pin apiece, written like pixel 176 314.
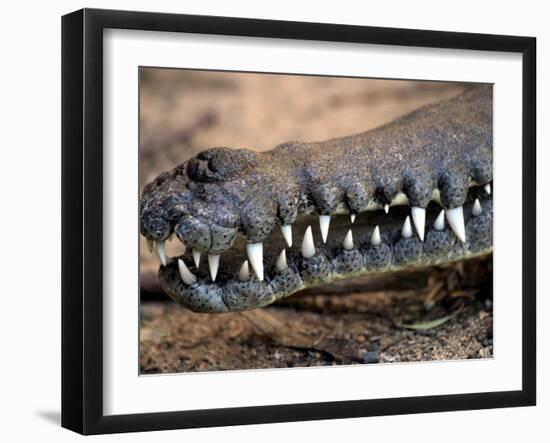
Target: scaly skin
pixel 441 152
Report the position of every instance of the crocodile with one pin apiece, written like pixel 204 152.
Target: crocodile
pixel 260 226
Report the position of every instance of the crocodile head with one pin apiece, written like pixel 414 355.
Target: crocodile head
pixel 260 226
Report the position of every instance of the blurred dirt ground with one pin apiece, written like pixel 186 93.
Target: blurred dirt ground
pixel 183 112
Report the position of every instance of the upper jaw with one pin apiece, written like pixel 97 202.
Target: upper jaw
pixel 255 203
pixel 207 217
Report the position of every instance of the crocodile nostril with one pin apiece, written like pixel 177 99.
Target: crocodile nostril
pixel 211 166
pixel 220 164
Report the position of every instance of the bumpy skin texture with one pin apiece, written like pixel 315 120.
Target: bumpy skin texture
pixel 209 199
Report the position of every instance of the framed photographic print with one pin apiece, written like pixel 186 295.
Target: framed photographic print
pixel 269 221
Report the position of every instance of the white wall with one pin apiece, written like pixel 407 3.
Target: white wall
pixel 30 217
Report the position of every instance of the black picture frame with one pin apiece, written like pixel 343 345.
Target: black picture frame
pixel 82 219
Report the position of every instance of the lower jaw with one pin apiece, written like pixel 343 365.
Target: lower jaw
pixel 331 261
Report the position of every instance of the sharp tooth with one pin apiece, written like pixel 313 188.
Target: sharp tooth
pixel 287 234
pixel 455 217
pixel 348 241
pixel 255 252
pixel 375 237
pixel 324 222
pixel 487 188
pixel 244 273
pixel 386 208
pixel 160 252
pixel 419 220
pixel 439 223
pixel 308 247
pixel 213 265
pixel 281 264
pixel 407 232
pixel 186 275
pixel 352 217
pixel 476 210
pixel 197 258
pixel 150 245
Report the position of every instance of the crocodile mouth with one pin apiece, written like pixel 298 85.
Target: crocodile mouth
pixel 375 242
pixel 258 227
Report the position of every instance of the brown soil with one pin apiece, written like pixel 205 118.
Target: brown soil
pixel 364 321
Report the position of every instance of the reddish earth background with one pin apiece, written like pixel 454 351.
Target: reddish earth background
pixel 433 314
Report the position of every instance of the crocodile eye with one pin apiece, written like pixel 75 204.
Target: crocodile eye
pixel 220 164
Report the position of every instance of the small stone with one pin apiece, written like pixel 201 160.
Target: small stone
pixel 371 357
